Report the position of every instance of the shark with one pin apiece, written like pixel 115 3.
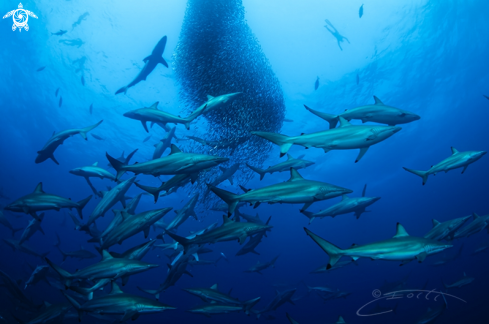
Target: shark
pixel 445 230
pixel 279 299
pixel 18 295
pixel 377 113
pixel 177 162
pixel 41 201
pixel 228 231
pixel 150 63
pixel 93 171
pixel 464 281
pixel 213 309
pixel 108 268
pixel 38 274
pixel 119 303
pixel 183 214
pixel 23 248
pixel 80 254
pixel 47 152
pixel 216 103
pixel 213 295
pixel 123 159
pixel 33 226
pixel 445 258
pixel 227 174
pixel 291 320
pixel 431 315
pixel 281 167
pixel 50 314
pixel 251 245
pixel 137 252
pixel 345 137
pixel 163 144
pixel 402 247
pixel 294 191
pixel 478 224
pixel 345 206
pixel 455 161
pixel 154 115
pixel 170 186
pixel 259 267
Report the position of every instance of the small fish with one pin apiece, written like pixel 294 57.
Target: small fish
pixel 358 79
pixel 91 109
pixel 61 32
pixel 316 84
pixel 60 101
pixel 83 80
pixel 56 93
pixel 146 139
pixel 360 11
pixel 41 68
pixel 97 137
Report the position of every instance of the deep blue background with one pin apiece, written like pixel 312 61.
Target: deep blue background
pixel 429 57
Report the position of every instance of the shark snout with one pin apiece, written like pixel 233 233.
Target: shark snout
pixel 221 160
pixel 395 129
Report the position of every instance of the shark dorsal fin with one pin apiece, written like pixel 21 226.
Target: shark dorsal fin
pixel 454 150
pixel 378 101
pixel 435 222
pixel 401 232
pixel 209 97
pixel 343 122
pixel 154 106
pixel 340 320
pixel 115 289
pixel 95 164
pixel 226 219
pixel 106 255
pixel 39 188
pixel 294 175
pixel 174 149
pixel 214 287
pixel 475 216
pixel 46 304
pixel 344 197
pixel 289 157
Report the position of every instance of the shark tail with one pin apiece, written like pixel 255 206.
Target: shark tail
pixel 76 305
pixel 229 198
pixel 186 243
pixel 65 275
pixel 331 119
pixel 248 305
pixel 334 253
pixel 121 90
pixel 261 172
pixel 155 293
pixel 117 165
pixel 422 174
pixel 278 139
pixel 87 292
pixel 82 204
pixel 84 131
pixel 309 215
pixel 155 192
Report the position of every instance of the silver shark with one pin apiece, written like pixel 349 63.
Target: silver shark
pixel 216 103
pixel 183 214
pixel 228 231
pixel 47 152
pixel 345 137
pixel 39 273
pixel 227 174
pixel 279 299
pixel 214 309
pixel 163 144
pixel 251 245
pixel 455 161
pixel 281 167
pixel 401 247
pixel 177 162
pixel 33 227
pixel 294 191
pixel 345 206
pixel 93 171
pixel 377 113
pixel 40 201
pixel 445 230
pixel 478 224
pixel 259 267
pixel 447 257
pixel 137 252
pixel 170 186
pixel 119 303
pixel 464 281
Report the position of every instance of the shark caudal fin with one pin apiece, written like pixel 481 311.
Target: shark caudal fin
pixel 87 292
pixel 65 275
pixel 422 174
pixel 81 204
pixel 309 215
pixel 117 165
pixel 331 119
pixel 261 172
pixel 278 139
pixel 121 90
pixel 75 305
pixel 84 131
pixel 248 305
pixel 155 192
pixel 186 243
pixel 229 198
pixel 155 293
pixel 331 250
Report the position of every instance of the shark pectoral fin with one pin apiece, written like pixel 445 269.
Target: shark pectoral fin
pixel 242 239
pixel 355 258
pixel 162 61
pixel 145 126
pixel 146 232
pixel 306 205
pixel 54 159
pixel 363 150
pixel 421 256
pixel 125 279
pixel 129 314
pixel 146 58
pixel 465 168
pixel 188 273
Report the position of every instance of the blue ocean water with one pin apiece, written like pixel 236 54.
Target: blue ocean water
pixel 427 57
